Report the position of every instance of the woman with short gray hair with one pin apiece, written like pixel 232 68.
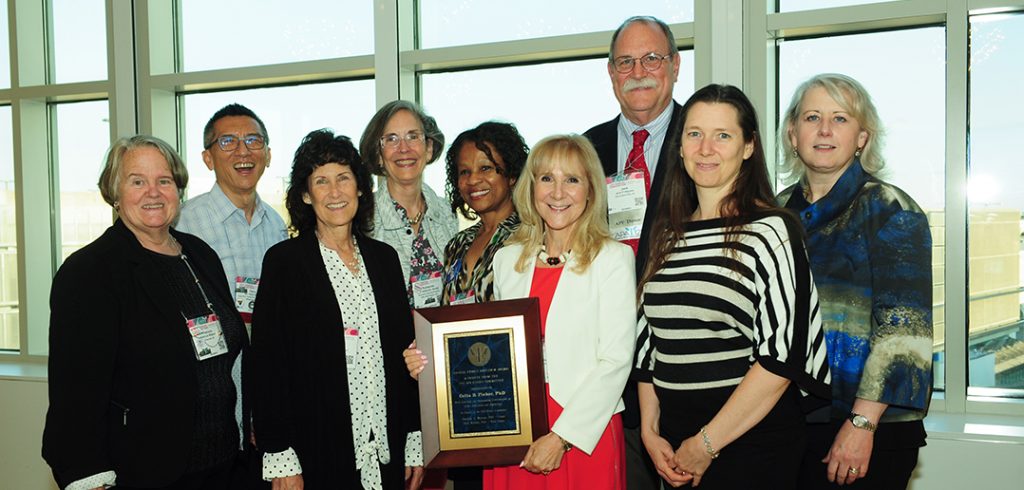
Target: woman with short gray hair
pixel 398 144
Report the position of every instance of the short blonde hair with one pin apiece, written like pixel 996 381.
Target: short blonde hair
pixel 592 227
pixel 110 177
pixel 854 99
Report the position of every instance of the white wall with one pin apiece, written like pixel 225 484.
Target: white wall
pixel 950 461
pixel 22 413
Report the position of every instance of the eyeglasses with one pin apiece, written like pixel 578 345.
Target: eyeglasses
pixel 229 142
pixel 650 62
pixel 391 140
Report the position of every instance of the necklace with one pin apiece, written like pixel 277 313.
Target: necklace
pixel 415 220
pixel 354 263
pixel 552 261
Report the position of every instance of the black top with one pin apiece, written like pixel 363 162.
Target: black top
pixel 215 438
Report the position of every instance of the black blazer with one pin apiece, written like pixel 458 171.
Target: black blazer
pixel 605 138
pixel 298 355
pixel 122 377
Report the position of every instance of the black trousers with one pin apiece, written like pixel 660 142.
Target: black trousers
pixel 893 457
pixel 243 472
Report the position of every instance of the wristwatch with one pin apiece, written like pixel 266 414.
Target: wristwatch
pixel 861 422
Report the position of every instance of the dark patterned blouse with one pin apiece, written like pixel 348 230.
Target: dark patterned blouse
pixel 458 284
pixel 424 262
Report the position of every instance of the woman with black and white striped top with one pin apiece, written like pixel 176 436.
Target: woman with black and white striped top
pixel 730 339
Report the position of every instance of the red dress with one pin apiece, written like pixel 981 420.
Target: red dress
pixel 604 468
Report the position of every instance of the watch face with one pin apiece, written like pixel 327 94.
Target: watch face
pixel 860 421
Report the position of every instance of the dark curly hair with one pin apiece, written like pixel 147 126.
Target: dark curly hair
pixel 490 137
pixel 318 148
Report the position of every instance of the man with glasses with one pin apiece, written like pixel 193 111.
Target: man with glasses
pixel 643 64
pixel 235 222
pixel 232 218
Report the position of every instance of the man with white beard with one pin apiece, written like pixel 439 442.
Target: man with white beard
pixel 634 147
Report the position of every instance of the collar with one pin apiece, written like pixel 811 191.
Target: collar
pixel 390 219
pixel 224 208
pixel 838 199
pixel 657 125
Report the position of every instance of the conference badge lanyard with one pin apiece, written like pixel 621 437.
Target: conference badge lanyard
pixel 207 336
pixel 426 290
pixel 627 203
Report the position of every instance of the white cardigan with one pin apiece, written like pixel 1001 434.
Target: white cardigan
pixel 590 335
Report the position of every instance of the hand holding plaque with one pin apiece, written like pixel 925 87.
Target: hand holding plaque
pixel 482 397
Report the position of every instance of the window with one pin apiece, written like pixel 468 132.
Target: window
pixel 79 40
pixel 235 33
pixel 459 22
pixel 996 203
pixel 9 327
pixel 540 100
pixel 83 136
pixel 795 5
pixel 912 118
pixel 5 51
pixel 289 114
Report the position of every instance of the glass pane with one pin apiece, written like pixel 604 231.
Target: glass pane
pixel 458 22
pixel 577 95
pixel 5 52
pixel 80 40
pixel 350 107
pixel 913 119
pixel 794 5
pixel 996 201
pixel 273 32
pixel 83 136
pixel 9 330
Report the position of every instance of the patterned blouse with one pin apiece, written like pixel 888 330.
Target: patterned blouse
pixel 424 262
pixel 458 283
pixel 871 253
pixel 365 380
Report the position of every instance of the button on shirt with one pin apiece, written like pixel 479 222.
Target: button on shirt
pixel 658 129
pixel 239 244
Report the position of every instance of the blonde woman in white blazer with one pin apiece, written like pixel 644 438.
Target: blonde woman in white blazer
pixel 590 325
pixel 562 253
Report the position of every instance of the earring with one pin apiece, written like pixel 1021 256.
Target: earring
pixel 857 153
pixel 795 153
pixel 359 193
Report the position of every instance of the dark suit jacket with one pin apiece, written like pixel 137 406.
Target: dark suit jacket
pixel 302 394
pixel 605 138
pixel 122 376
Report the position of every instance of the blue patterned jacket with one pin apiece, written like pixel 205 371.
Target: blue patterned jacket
pixel 871 253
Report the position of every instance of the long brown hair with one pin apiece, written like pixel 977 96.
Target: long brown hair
pixel 751 192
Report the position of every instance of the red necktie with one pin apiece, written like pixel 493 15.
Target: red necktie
pixel 636 162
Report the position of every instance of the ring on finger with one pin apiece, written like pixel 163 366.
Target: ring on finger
pixel 853 471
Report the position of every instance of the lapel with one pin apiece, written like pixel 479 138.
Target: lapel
pixel 318 283
pixel 606 142
pixel 669 155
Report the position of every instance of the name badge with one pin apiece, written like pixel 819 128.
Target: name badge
pixel 351 346
pixel 627 203
pixel 426 290
pixel 466 298
pixel 245 296
pixel 207 337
